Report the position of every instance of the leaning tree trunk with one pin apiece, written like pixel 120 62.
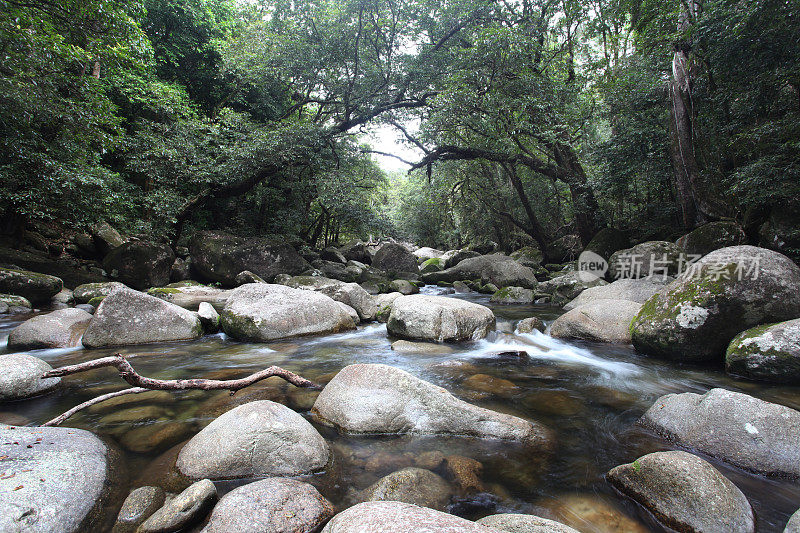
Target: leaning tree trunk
pixel 588 218
pixel 696 197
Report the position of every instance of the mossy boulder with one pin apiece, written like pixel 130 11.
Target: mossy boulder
pixel 729 290
pixel 712 236
pixel 84 293
pixel 530 256
pixel 434 264
pixel 36 288
pixel 106 238
pixel 395 258
pixel 566 287
pixel 220 257
pixel 499 269
pixel 454 257
pixel 13 303
pixel 769 352
pixel 607 241
pixel 652 258
pixel 565 248
pixel 513 295
pixel 140 264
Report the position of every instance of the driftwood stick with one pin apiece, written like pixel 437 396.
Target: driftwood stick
pixel 142 384
pixel 57 421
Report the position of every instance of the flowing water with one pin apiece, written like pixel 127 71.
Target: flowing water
pixel 590 394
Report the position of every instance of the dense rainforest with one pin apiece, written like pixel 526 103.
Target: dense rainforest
pixel 524 122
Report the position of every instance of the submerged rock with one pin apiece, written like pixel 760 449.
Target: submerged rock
pixel 695 317
pixel 185 509
pixel 128 317
pixel 350 294
pixel 767 353
pixel 600 321
pixel 398 517
pixel 140 264
pixel 218 256
pixel 376 399
pixel 578 510
pixel 271 505
pixel 55 480
pixel 634 290
pixel 524 523
pixel 685 493
pixel 438 318
pixel 421 347
pixel 747 432
pixel 60 329
pixel 260 438
pixel 21 377
pixel 411 485
pixel 35 287
pixel 138 507
pixel 262 312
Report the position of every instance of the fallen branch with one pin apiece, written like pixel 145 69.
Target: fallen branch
pixel 142 384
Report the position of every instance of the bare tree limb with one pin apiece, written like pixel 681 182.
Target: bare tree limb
pixel 141 383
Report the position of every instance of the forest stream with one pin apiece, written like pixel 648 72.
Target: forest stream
pixel 590 394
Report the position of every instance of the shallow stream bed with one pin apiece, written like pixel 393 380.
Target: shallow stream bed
pixel 590 394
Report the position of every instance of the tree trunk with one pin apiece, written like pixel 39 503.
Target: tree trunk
pixel 536 230
pixel 588 219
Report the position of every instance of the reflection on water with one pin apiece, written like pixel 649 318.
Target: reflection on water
pixel 589 394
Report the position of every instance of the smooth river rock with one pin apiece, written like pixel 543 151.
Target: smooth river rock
pixel 140 505
pixel 635 290
pixel 380 399
pixel 694 318
pixel 793 526
pixel 767 353
pixel 127 317
pixel 398 517
pixel 260 438
pixel 747 432
pixel 275 505
pixel 600 321
pixel 54 480
pixel 499 269
pixel 411 485
pixel 438 318
pixel 524 523
pixel 185 509
pixel 59 329
pixel 21 377
pixel 89 291
pixel 685 493
pixel 351 294
pixel 568 286
pixel 263 312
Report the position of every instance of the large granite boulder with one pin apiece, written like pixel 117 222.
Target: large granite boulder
pixel 395 259
pixel 438 318
pixel 411 485
pixel 685 493
pixel 331 253
pixel 257 439
pixel 499 269
pixel 453 257
pixel 218 256
pixel 607 241
pixel 728 291
pixel 600 321
pixel 21 377
pixel 140 264
pixel 398 517
pixel 648 259
pixel 712 236
pixel 89 291
pixel 530 256
pixel 351 294
pixel 190 296
pixel 426 252
pixel 750 433
pixel 767 353
pixel 568 286
pixel 380 399
pixel 59 329
pixel 106 238
pixel 634 290
pixel 128 317
pixel 358 251
pixel 279 505
pixel 55 480
pixel 524 523
pixel 35 287
pixel 263 312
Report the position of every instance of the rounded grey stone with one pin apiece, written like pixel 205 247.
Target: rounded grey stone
pixel 21 377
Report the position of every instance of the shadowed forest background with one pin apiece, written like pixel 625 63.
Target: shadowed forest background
pixel 534 121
